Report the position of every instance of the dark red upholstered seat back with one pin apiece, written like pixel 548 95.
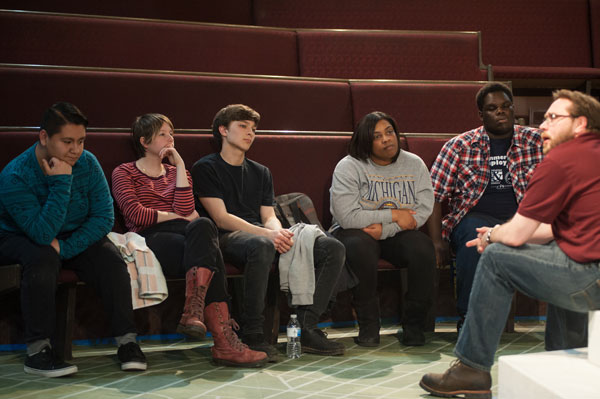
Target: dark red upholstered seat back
pixel 427 148
pixel 223 11
pixel 390 55
pixel 114 99
pixel 420 107
pixel 123 43
pixel 514 32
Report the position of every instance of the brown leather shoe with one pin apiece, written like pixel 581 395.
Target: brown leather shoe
pixel 459 379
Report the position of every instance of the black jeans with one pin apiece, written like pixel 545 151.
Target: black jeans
pixel 99 266
pixel 180 245
pixel 410 248
pixel 256 254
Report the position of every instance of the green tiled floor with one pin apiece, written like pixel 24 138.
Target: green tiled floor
pixel 184 370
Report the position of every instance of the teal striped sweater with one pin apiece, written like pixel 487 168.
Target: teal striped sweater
pixel 77 209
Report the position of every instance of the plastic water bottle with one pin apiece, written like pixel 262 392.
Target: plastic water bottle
pixel 293 338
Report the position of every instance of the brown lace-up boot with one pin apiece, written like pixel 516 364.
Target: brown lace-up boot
pixel 228 350
pixel 459 379
pixel 197 280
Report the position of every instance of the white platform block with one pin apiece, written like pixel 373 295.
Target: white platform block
pixel 594 337
pixel 558 374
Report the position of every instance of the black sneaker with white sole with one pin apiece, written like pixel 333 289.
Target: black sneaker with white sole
pixel 131 357
pixel 46 364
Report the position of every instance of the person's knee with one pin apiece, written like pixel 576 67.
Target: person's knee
pixel 359 244
pixel 261 250
pixel 113 265
pixel 42 266
pixel 204 225
pixel 486 260
pixel 466 230
pixel 336 249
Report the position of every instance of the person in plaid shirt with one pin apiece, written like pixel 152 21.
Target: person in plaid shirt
pixel 483 174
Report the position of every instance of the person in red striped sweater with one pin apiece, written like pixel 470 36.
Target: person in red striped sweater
pixel 157 202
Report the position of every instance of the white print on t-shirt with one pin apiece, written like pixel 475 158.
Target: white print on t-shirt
pixel 500 179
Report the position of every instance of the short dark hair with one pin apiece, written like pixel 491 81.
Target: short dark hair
pixel 583 105
pixel 60 114
pixel 231 113
pixel 361 143
pixel 146 126
pixel 492 88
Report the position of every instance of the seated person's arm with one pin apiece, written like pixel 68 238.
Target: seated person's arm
pixel 517 231
pixel 542 235
pixel 345 206
pixel 282 238
pixel 41 222
pixel 131 207
pixel 100 217
pixel 226 221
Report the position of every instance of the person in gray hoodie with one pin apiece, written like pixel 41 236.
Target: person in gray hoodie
pixel 380 196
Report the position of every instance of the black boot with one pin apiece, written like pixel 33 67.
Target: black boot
pixel 315 341
pixel 413 323
pixel 367 315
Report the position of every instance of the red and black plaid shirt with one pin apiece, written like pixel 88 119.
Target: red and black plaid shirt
pixel 461 170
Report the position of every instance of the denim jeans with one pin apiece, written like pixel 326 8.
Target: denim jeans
pixel 467 257
pixel 544 272
pixel 180 245
pixel 256 254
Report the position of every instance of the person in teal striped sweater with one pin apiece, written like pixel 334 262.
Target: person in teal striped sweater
pixel 55 212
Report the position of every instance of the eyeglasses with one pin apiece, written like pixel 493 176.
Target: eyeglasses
pixel 552 117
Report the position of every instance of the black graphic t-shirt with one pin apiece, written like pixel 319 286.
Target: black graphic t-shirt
pixel 499 199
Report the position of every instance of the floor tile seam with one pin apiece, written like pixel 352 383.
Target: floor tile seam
pixel 515 339
pixel 108 385
pixel 378 384
pixel 352 382
pixel 346 359
pixel 120 380
pixel 319 360
pixel 247 375
pixel 195 376
pixel 419 370
pixel 21 382
pixel 315 380
pixel 271 366
pixel 57 384
pixel 528 350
